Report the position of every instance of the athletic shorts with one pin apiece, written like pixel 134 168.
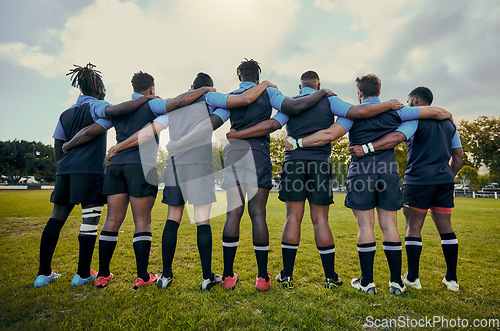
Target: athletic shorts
pixel 78 189
pixel 302 179
pixel 366 192
pixel 189 183
pixel 248 166
pixel 425 196
pixel 130 179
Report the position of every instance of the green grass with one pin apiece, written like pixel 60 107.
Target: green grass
pixel 308 306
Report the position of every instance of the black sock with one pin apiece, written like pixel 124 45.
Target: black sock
pixel 87 244
pixel 366 254
pixel 168 244
pixel 142 247
pixel 261 254
pixel 392 250
pixel 107 245
pixel 413 247
pixel 289 251
pixel 229 246
pixel 204 240
pixel 327 254
pixel 449 244
pixel 48 243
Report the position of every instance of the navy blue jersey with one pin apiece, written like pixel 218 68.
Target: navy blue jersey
pixel 429 153
pixel 317 118
pixel 245 117
pixel 126 126
pixel 88 158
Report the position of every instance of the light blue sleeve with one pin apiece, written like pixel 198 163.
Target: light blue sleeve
pixel 223 113
pixel 408 128
pixel 345 123
pixel 98 109
pixel 455 141
pixel 338 106
pixel 281 118
pixel 163 120
pixel 158 106
pixel 106 124
pixel 216 100
pixel 408 113
pixel 275 97
pixel 59 132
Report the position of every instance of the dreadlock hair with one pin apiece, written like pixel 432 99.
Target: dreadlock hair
pixel 422 93
pixel 202 79
pixel 141 81
pixel 369 85
pixel 249 68
pixel 87 79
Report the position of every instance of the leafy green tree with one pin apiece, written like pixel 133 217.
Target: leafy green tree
pixel 340 160
pixel 277 148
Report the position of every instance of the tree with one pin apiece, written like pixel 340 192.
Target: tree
pixel 277 148
pixel 340 160
pixel 161 162
pixel 481 143
pixel 19 158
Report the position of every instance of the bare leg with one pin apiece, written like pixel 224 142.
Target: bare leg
pixel 366 243
pixel 387 220
pixel 291 235
pixel 413 240
pixel 324 239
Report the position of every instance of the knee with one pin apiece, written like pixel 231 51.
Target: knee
pixel 235 214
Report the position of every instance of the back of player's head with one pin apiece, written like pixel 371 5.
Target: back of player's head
pixel 369 85
pixel 309 78
pixel 141 81
pixel 201 80
pixel 87 79
pixel 249 68
pixel 422 93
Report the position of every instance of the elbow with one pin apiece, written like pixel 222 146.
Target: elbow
pixel 245 101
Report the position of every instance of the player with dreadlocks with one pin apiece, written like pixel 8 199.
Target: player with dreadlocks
pixel 248 170
pixel 80 173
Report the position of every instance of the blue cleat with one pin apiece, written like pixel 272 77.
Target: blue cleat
pixel 42 280
pixel 79 281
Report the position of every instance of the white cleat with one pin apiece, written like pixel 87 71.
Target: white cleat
pixel 415 284
pixel 452 285
pixel 164 282
pixel 369 289
pixel 396 289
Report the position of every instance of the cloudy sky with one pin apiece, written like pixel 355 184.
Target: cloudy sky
pixel 452 47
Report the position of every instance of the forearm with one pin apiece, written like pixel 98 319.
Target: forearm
pixel 140 137
pixel 323 137
pixel 294 107
pixel 58 149
pixel 258 130
pixel 456 161
pixel 126 107
pixel 185 99
pixel 367 110
pixel 434 113
pixel 85 135
pixel 246 98
pixel 389 141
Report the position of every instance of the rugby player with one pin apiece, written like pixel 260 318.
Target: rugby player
pixel 428 183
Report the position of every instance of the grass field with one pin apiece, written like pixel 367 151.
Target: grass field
pixel 182 306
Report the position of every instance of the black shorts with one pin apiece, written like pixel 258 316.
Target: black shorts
pixel 248 166
pixel 130 179
pixel 426 196
pixel 189 183
pixel 78 189
pixel 366 192
pixel 302 179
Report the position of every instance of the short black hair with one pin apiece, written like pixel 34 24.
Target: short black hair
pixel 141 81
pixel 309 75
pixel 87 79
pixel 249 68
pixel 422 93
pixel 201 80
pixel 370 85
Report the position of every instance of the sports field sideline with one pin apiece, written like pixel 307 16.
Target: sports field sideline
pixel 182 306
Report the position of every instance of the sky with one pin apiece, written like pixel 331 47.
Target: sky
pixel 452 47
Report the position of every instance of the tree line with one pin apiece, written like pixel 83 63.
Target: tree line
pixel 480 142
